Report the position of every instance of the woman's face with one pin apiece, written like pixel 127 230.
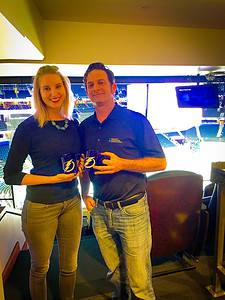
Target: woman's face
pixel 52 90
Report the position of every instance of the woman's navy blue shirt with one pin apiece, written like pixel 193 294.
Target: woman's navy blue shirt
pixel 45 146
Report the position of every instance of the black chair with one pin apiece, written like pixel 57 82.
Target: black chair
pixel 210 201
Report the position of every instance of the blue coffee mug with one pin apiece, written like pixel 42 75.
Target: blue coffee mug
pixel 70 162
pixel 93 158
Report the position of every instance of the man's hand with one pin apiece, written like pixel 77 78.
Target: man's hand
pixel 81 164
pixel 113 164
pixel 89 202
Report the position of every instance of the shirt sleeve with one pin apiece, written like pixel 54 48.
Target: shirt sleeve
pixel 17 155
pixel 147 138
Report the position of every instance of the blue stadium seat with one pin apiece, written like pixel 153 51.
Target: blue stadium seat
pixel 4 149
pixel 10 94
pixel 209 131
pixel 24 94
pixel 190 133
pixel 164 141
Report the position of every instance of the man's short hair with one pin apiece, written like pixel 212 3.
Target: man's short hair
pixel 99 66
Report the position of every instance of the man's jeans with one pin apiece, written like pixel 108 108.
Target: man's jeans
pixel 41 223
pixel 124 238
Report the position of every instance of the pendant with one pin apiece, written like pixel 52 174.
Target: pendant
pixel 60 127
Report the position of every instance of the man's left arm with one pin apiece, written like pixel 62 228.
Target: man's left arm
pixel 141 165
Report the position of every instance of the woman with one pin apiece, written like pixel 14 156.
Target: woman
pixel 52 206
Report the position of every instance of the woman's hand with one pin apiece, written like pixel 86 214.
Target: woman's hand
pixel 71 176
pixel 32 179
pixel 64 177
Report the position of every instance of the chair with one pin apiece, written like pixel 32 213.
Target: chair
pixel 7 195
pixel 210 200
pixel 6 191
pixel 179 225
pixel 209 131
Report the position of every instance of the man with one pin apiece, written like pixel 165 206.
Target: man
pixel 119 209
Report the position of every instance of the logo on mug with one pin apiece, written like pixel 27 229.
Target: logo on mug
pixel 69 165
pixel 89 162
pixel 70 162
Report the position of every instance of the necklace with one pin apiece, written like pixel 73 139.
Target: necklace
pixel 60 127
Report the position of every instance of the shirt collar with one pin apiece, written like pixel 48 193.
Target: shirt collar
pixel 113 115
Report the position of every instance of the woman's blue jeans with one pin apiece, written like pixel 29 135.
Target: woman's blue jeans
pixel 124 238
pixel 40 224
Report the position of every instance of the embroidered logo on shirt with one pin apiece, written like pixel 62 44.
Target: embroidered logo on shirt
pixel 115 140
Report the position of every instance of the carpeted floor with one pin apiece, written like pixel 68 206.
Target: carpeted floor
pixel 90 276
pixel 92 285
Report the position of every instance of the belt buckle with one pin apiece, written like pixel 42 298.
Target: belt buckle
pixel 111 205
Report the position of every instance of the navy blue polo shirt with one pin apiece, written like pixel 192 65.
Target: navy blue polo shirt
pixel 129 135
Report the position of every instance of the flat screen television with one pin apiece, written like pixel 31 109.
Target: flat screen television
pixel 201 96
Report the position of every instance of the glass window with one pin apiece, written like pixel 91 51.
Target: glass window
pixel 191 137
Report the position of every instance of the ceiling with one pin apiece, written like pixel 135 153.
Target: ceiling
pixel 178 13
pixel 184 13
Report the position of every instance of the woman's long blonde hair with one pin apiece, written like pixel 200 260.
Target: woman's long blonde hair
pixel 41 112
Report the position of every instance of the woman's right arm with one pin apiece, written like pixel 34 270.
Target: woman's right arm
pixel 30 179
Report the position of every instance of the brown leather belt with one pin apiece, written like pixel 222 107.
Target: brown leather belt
pixel 121 203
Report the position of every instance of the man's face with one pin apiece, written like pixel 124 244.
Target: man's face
pixel 99 89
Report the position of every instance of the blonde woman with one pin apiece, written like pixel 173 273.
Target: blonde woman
pixel 52 206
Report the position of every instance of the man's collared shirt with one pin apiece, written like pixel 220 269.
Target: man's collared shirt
pixel 129 135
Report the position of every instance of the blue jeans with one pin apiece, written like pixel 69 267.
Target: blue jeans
pixel 124 238
pixel 40 224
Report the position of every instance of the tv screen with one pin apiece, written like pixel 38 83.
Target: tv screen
pixel 201 96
